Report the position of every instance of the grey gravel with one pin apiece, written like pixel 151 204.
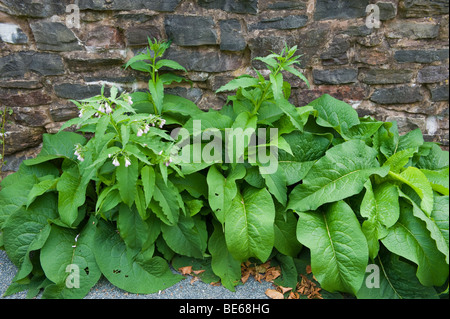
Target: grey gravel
pixel 182 290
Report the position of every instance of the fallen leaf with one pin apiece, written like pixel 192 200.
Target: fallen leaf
pixel 293 295
pixel 284 289
pixel 187 270
pixel 308 269
pixel 272 293
pixel 245 277
pixel 198 272
pixel 194 279
pixel 272 273
pixel 215 284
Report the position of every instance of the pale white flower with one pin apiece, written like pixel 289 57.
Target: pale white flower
pixel 130 100
pixel 80 159
pixel 127 162
pixel 160 153
pixel 109 155
pixel 116 162
pixel 140 132
pixel 108 109
pixel 101 109
pixel 146 129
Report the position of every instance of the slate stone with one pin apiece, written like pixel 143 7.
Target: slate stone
pixel 433 74
pixel 439 93
pixel 387 76
pixel 76 91
pixel 137 35
pixel 118 5
pixel 421 56
pixel 339 76
pixel 336 54
pixel 54 36
pixel 22 137
pixel 412 30
pixel 397 95
pixel 190 30
pixel 231 38
pixel 236 6
pixel 340 9
pixel 210 60
pixel 281 23
pixel 15 97
pixel 36 9
pixel 17 64
pixel 424 8
pixel 12 33
pixel 388 10
pixel 160 5
pixel 287 5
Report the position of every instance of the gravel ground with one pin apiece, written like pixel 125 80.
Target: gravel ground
pixel 182 290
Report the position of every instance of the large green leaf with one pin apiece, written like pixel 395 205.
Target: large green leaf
pixel 240 82
pixel 249 225
pixel 71 194
pixel 188 237
pixel 339 252
pixel 380 207
pixel 306 149
pixel 410 238
pixel 127 179
pixel 26 230
pixel 417 180
pixel 168 200
pixel 334 113
pixel 222 262
pixel 57 145
pixel 285 229
pixel 222 190
pixel 341 173
pixel 392 278
pixel 437 223
pixel 68 253
pixel 140 274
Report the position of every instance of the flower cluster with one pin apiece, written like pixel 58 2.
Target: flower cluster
pixel 79 152
pixel 153 121
pixel 116 162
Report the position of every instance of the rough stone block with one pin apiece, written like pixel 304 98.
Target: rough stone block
pixel 439 93
pixel 413 30
pixel 138 35
pixel 287 5
pixel 190 30
pixel 76 91
pixel 433 74
pixel 340 9
pixel 397 95
pixel 21 137
pixel 14 97
pixel 231 38
pixel 421 56
pixel 424 8
pixel 54 36
pixel 236 6
pixel 281 23
pixel 36 9
pixel 388 10
pixel 387 76
pixel 336 54
pixel 18 64
pixel 339 76
pixel 205 60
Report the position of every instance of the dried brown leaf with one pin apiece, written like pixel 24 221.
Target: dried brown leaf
pixel 272 293
pixel 187 270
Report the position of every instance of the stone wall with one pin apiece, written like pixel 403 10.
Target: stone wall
pixel 398 71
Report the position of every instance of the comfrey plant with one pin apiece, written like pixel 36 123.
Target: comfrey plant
pixel 347 194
